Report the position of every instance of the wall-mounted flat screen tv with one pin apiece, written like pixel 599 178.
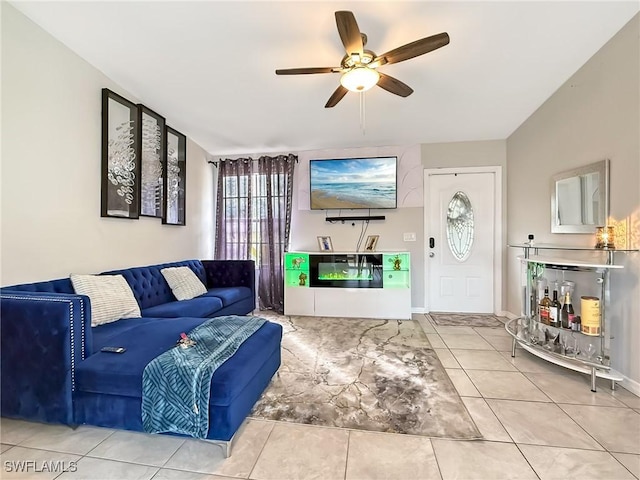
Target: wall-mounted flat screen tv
pixel 353 183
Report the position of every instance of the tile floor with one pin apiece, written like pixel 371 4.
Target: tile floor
pixel 539 421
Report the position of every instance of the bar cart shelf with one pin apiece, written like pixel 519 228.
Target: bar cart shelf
pixel 567 350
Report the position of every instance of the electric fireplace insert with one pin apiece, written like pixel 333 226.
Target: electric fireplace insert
pixel 351 270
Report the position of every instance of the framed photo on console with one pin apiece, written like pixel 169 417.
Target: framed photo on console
pixel 120 196
pixel 372 242
pixel 325 244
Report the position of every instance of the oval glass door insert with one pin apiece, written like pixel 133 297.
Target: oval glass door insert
pixel 460 226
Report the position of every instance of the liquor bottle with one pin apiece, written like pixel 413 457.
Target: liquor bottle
pixel 545 307
pixel 555 310
pixel 577 324
pixel 567 316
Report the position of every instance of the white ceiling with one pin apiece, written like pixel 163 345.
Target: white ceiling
pixel 208 66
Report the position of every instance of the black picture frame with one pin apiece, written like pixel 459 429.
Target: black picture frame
pixel 120 192
pixel 175 178
pixel 152 144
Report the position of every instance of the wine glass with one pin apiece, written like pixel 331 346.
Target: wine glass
pixel 533 334
pixel 576 346
pixel 590 351
pixel 550 337
pixel 522 330
pixel 565 341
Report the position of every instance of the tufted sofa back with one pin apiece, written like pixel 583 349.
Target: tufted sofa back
pixel 61 285
pixel 148 284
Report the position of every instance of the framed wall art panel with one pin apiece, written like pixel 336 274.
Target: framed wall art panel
pixel 153 148
pixel 175 178
pixel 120 161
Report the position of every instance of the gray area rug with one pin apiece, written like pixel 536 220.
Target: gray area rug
pixel 366 374
pixel 466 319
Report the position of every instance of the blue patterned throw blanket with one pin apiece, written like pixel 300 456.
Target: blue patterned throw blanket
pixel 176 385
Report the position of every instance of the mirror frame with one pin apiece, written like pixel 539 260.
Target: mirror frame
pixel 602 168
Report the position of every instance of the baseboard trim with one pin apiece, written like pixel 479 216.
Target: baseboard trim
pixel 503 313
pixel 631 385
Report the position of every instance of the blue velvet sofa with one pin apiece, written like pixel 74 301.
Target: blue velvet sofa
pixel 52 369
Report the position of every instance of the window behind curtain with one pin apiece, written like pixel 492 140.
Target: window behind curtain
pixel 269 204
pixel 233 204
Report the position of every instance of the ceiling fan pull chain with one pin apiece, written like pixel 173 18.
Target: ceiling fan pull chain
pixel 362 114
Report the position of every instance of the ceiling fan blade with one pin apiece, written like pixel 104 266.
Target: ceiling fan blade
pixel 305 71
pixel 415 49
pixel 349 32
pixel 394 85
pixel 336 96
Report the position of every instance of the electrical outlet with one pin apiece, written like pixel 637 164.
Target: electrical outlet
pixel 409 237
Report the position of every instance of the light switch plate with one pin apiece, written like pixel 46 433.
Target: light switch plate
pixel 409 237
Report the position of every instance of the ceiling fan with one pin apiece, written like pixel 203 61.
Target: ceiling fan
pixel 359 66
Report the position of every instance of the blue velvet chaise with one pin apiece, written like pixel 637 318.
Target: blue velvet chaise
pixel 52 369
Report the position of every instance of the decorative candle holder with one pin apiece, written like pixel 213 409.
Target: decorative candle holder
pixel 605 237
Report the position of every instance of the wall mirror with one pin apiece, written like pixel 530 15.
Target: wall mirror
pixel 580 199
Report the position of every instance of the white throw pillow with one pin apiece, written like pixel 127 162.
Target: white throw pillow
pixel 111 297
pixel 184 284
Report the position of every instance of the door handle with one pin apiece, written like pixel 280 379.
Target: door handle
pixel 432 242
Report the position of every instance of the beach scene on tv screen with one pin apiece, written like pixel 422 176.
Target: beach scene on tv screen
pixel 353 183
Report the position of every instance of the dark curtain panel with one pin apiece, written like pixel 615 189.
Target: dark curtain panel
pixel 233 208
pixel 253 218
pixel 274 193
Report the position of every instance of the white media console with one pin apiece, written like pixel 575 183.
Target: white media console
pixel 348 284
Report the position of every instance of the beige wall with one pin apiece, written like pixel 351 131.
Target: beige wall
pixel 594 115
pixel 51 225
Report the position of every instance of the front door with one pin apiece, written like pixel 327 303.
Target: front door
pixel 459 210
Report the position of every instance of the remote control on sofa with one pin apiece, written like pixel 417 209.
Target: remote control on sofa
pixel 113 349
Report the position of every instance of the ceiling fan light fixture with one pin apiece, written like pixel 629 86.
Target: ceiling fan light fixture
pixel 359 65
pixel 359 79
